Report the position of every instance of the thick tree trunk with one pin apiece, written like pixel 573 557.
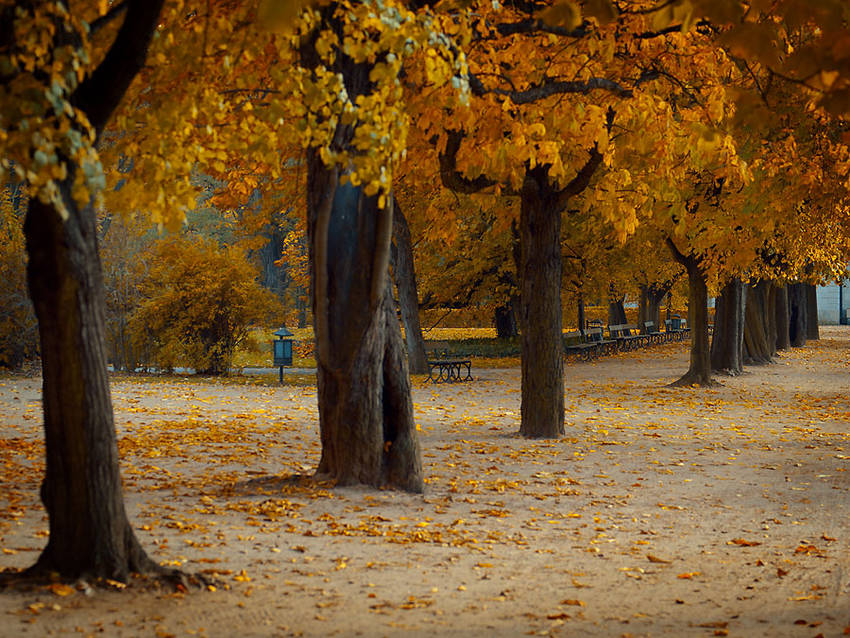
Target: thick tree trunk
pixel 616 310
pixel 812 327
pixel 505 319
pixel 542 410
pixel 797 315
pixel 727 343
pixel 90 535
pixel 649 305
pixel 408 298
pixel 365 409
pixel 699 371
pixel 759 339
pixel 782 318
pixel 581 315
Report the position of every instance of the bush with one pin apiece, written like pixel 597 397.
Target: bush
pixel 200 300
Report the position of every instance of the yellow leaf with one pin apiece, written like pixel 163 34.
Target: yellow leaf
pixel 60 589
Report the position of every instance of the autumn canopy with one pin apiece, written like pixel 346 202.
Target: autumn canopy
pixel 525 156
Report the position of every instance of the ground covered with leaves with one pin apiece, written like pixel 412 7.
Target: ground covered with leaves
pixel 663 512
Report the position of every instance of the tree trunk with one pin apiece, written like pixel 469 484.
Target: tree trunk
pixel 408 299
pixel 797 315
pixel 504 317
pixel 90 535
pixel 727 343
pixel 782 317
pixel 699 371
pixel 581 315
pixel 649 306
pixel 616 310
pixel 365 409
pixel 542 409
pixel 758 343
pixel 812 328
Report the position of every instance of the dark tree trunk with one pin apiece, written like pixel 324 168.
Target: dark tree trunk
pixel 581 315
pixel 727 343
pixel 616 310
pixel 782 316
pixel 540 315
pixel 699 371
pixel 759 342
pixel 649 306
pixel 408 299
pixel 90 535
pixel 505 320
pixel 301 309
pixel 797 315
pixel 365 409
pixel 812 327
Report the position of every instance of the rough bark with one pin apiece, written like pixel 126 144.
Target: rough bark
pixel 727 343
pixel 404 274
pixel 812 327
pixel 649 305
pixel 581 315
pixel 90 535
pixel 505 319
pixel 542 406
pixel 797 315
pixel 759 342
pixel 616 310
pixel 782 317
pixel 365 410
pixel 699 370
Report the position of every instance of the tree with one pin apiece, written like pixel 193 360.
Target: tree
pixel 56 107
pixel 199 301
pixel 350 56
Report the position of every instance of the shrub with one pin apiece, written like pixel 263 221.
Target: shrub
pixel 199 300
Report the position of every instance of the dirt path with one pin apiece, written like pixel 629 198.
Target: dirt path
pixel 694 512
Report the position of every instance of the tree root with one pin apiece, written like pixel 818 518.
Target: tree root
pixel 153 576
pixel 690 379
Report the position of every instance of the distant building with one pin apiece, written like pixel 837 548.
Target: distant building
pixel 834 304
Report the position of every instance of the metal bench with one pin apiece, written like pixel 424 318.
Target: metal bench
pixel 449 370
pixel 576 344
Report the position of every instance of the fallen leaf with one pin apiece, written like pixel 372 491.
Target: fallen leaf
pixel 743 542
pixel 60 589
pixel 655 559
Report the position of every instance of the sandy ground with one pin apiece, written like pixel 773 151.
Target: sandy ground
pixel 663 512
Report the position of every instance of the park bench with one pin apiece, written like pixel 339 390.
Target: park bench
pixel 675 328
pixel 651 331
pixel 625 336
pixel 594 334
pixel 576 344
pixel 445 369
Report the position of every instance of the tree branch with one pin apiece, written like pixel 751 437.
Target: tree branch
pixel 99 23
pixel 100 93
pixel 451 177
pixel 550 87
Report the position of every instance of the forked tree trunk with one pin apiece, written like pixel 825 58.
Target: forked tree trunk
pixel 649 306
pixel 365 409
pixel 699 370
pixel 759 342
pixel 542 410
pixel 812 327
pixel 616 311
pixel 408 298
pixel 727 343
pixel 797 315
pixel 90 535
pixel 505 319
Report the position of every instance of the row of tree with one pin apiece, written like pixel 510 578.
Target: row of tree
pixel 706 129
